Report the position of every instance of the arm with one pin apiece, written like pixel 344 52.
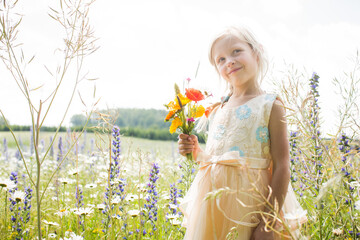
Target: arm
pixel 279 148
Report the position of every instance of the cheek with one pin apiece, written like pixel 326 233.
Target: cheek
pixel 222 72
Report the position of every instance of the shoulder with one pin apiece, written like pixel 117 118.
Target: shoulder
pixel 277 111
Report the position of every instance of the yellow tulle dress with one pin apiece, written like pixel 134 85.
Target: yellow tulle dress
pixel 231 186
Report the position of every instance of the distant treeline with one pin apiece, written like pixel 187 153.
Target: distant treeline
pixel 134 122
pixel 141 123
pixel 4 128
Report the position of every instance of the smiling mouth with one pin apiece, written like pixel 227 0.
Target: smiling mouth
pixel 234 70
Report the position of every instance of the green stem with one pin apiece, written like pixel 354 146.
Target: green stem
pixel 5 225
pixel 38 201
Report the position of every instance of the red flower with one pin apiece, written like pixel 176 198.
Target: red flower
pixel 194 94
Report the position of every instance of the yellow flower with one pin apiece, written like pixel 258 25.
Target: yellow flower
pixel 174 106
pixel 184 100
pixel 200 110
pixel 175 124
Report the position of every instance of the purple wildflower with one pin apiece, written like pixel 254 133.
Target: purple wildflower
pixel 152 198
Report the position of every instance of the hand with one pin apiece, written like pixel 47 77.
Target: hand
pixel 188 144
pixel 260 233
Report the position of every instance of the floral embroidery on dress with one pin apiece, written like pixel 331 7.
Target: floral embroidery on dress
pixel 243 112
pixel 262 134
pixel 236 148
pixel 219 132
pixel 270 97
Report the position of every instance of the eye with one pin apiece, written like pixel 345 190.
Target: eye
pixel 220 60
pixel 237 50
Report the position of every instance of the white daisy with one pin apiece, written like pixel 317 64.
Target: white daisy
pixel 130 197
pixel 173 206
pixel 175 222
pixel 337 231
pixel 166 197
pixel 83 211
pixel 90 185
pixel 71 236
pixel 101 206
pixel 74 171
pixel 172 216
pixel 52 235
pixel 134 213
pixel 7 184
pixel 51 223
pixel 116 200
pixel 18 196
pixel 64 180
pixel 62 212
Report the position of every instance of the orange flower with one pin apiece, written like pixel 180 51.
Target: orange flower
pixel 175 124
pixel 200 110
pixel 170 114
pixel 208 110
pixel 173 106
pixel 194 94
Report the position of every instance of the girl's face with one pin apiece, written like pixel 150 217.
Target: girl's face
pixel 235 61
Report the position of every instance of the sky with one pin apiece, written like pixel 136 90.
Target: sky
pixel 147 46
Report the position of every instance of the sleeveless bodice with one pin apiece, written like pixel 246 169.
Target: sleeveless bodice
pixel 243 128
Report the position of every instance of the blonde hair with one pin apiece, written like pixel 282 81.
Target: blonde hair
pixel 247 36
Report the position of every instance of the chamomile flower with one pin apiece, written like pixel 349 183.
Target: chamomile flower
pixel 74 171
pixel 101 206
pixel 51 223
pixel 134 213
pixel 172 206
pixel 72 236
pixel 130 197
pixel 64 180
pixel 175 222
pixel 90 185
pixel 337 231
pixel 62 212
pixel 52 235
pixel 172 216
pixel 18 196
pixel 7 184
pixel 116 200
pixel 83 211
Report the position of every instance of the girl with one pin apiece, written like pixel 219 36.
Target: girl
pixel 243 177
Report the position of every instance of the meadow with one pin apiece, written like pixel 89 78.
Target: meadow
pixel 77 185
pixel 78 198
pixel 115 187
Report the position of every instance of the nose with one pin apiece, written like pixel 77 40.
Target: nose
pixel 230 63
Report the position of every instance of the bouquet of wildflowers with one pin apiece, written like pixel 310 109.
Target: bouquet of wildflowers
pixel 184 110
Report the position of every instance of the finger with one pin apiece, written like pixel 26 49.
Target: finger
pixel 183 136
pixel 186 147
pixel 185 151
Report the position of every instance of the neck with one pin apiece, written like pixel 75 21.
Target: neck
pixel 246 91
